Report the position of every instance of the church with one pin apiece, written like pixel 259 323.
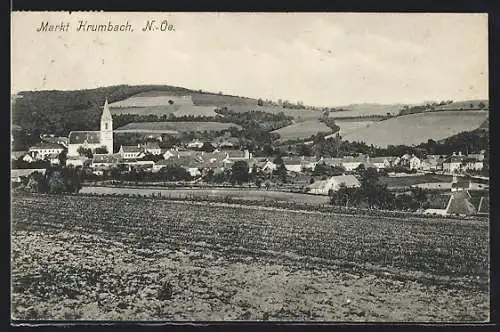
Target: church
pixel 93 139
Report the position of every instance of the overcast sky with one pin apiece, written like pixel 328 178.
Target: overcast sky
pixel 317 58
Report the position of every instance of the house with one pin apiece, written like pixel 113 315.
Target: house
pixel 105 160
pixel 28 158
pixel 195 144
pixel 298 164
pixel 41 150
pixel 332 184
pixel 56 140
pixel 472 163
pixel 333 162
pixel 15 155
pixel 53 158
pixel 414 162
pixel 268 166
pixel 152 147
pixel 234 155
pixel 76 161
pixel 380 162
pixel 131 151
pixel 351 163
pixel 453 163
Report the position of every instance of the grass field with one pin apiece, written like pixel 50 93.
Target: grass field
pixel 418 128
pixel 349 125
pixel 302 130
pixel 76 257
pixel 175 126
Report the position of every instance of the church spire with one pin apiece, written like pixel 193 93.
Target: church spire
pixel 106 114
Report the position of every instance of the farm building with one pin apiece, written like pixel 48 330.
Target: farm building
pixel 323 187
pixel 93 139
pixel 43 149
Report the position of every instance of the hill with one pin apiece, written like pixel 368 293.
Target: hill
pixel 302 130
pixel 172 127
pixel 417 128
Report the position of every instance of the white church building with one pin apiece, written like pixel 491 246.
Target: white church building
pixel 93 139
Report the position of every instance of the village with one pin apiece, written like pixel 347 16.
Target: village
pixel 221 163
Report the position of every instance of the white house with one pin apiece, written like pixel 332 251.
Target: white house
pixel 195 144
pixel 333 183
pixel 233 155
pixel 414 162
pixel 43 149
pixel 131 151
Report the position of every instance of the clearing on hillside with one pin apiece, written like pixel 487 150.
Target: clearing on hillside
pixel 180 126
pixel 152 101
pixel 302 130
pixel 418 128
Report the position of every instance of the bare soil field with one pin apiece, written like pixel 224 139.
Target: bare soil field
pixel 76 257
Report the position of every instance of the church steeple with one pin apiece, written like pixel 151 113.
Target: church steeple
pixel 106 114
pixel 107 128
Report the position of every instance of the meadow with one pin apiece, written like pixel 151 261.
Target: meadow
pixel 302 130
pixel 418 128
pixel 78 257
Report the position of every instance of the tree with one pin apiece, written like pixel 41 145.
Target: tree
pixel 260 102
pixel 239 172
pixel 281 172
pixel 84 152
pixel 56 182
pixel 207 147
pixel 101 150
pixel 36 183
pixel 63 156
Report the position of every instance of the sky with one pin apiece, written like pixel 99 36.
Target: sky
pixel 321 59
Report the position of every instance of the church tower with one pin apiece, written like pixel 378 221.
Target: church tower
pixel 107 128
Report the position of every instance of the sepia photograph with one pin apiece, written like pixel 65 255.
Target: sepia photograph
pixel 250 166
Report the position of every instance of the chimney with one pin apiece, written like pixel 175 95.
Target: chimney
pixel 460 153
pixel 454 153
